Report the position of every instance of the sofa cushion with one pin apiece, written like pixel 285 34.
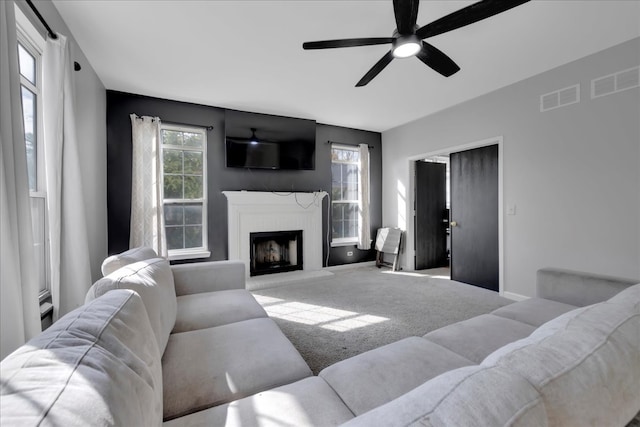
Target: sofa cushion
pixel 479 336
pixel 212 366
pixel 209 309
pixel 585 364
pixel 544 331
pixel 95 366
pixel 115 262
pixel 380 375
pixel 578 288
pixel 533 311
pixel 152 279
pixel 308 402
pixel 210 276
pixel 469 396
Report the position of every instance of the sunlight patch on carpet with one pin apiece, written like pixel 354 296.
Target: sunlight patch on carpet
pixel 324 317
pixel 415 274
pixel 405 273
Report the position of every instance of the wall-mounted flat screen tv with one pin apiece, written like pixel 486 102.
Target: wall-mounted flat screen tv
pixel 262 141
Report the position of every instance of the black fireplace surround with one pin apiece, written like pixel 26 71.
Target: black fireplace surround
pixel 275 252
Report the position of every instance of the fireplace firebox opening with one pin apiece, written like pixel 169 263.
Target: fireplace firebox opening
pixel 275 252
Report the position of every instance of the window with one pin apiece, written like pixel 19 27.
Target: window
pixel 30 94
pixel 184 159
pixel 344 194
pixel 29 47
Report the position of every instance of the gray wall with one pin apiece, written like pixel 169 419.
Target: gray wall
pixel 221 178
pixel 91 114
pixel 573 172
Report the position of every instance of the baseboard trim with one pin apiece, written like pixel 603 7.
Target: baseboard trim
pixel 514 296
pixel 352 265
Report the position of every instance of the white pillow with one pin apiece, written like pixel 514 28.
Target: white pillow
pixel 115 262
pixel 586 365
pixel 468 396
pixel 543 332
pixel 98 365
pixel 153 280
pixel 628 297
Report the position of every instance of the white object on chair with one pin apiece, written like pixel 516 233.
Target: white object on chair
pixel 388 240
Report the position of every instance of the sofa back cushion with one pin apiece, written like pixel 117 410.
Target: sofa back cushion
pixel 585 364
pixel 578 288
pixel 212 276
pixel 468 396
pixel 153 281
pixel 115 262
pixel 95 366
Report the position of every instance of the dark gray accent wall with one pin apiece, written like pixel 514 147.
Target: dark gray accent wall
pixel 120 105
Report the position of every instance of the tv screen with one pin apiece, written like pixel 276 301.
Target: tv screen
pixel 261 141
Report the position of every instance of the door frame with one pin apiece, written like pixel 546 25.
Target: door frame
pixel 409 247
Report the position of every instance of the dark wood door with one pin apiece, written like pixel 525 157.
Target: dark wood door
pixel 431 199
pixel 474 217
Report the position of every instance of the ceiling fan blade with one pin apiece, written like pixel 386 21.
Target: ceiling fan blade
pixel 406 13
pixel 330 44
pixel 437 60
pixel 375 70
pixel 467 15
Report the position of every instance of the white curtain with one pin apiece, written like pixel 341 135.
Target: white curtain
pixel 147 216
pixel 364 227
pixel 68 237
pixel 19 308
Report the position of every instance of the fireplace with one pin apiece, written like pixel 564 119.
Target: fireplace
pixel 275 252
pixel 263 211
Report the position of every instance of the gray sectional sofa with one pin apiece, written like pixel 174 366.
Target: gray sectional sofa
pixel 187 345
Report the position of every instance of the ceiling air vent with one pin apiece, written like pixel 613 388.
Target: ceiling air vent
pixel 617 82
pixel 560 98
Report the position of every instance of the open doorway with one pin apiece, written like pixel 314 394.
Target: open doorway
pixel 457 221
pixel 431 220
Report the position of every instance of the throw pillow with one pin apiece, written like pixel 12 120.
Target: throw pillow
pixel 115 262
pixel 153 280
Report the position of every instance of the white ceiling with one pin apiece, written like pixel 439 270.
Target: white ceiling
pixel 248 55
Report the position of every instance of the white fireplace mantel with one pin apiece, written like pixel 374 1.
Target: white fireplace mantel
pixel 260 211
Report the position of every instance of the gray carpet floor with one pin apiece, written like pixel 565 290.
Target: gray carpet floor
pixel 355 310
pixel 336 317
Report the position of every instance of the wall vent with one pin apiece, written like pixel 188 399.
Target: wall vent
pixel 616 82
pixel 560 98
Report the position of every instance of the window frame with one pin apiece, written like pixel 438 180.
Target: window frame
pixel 192 252
pixel 345 241
pixel 32 41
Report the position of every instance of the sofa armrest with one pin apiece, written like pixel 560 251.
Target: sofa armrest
pixel 578 288
pixel 208 276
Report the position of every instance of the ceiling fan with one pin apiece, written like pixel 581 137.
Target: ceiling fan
pixel 407 39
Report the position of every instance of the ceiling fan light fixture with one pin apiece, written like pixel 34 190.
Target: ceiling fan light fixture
pixel 254 138
pixel 406 46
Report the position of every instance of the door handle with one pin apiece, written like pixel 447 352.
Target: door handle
pixel 454 224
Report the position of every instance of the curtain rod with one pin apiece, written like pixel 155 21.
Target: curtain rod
pixel 51 33
pixel 207 127
pixel 344 143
